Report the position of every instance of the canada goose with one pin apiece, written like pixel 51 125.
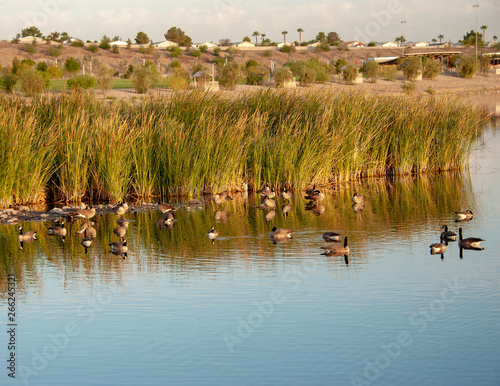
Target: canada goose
pixel 270 215
pixel 358 199
pixel 448 235
pixel 470 242
pixel 119 247
pixel 221 198
pixel 278 234
pixel 337 250
pixel 212 234
pixel 86 242
pixel 57 231
pixel 438 248
pixel 269 203
pixel 26 236
pixel 286 209
pixel 311 191
pixel 464 216
pixel 167 218
pixel 316 195
pixel 266 192
pixel 163 207
pixel 85 213
pixel 120 209
pixel 286 195
pixel 331 236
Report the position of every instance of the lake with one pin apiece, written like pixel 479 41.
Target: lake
pixel 180 310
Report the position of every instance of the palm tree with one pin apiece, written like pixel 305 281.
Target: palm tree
pixel 300 30
pixel 434 41
pixel 440 37
pixel 484 28
pixel 284 35
pixel 256 34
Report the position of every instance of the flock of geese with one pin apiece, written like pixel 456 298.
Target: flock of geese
pixel 446 236
pixel 315 196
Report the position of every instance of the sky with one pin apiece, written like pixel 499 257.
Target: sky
pixel 212 20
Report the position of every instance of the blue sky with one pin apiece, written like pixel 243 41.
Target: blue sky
pixel 212 20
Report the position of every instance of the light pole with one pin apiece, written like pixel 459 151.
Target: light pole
pixel 403 36
pixel 476 6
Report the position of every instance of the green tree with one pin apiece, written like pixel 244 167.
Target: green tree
pixel 31 31
pixel 284 36
pixel 54 36
pixel 321 37
pixel 105 43
pixel 16 64
pixel 54 71
pixel 64 37
pixel 307 76
pixel 333 37
pixel 142 38
pixel 256 34
pixel 431 68
pixel 434 40
pixel 470 39
pixel 178 36
pixel 371 69
pixel 467 66
pixel 9 81
pixel 410 67
pixel 300 31
pixel 32 82
pixel 484 28
pixel 229 75
pixel 142 79
pixel 372 44
pixel 129 44
pixel 246 39
pixel 72 65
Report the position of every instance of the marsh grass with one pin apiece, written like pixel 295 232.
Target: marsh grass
pixel 193 142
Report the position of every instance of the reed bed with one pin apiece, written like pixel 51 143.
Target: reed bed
pixel 76 146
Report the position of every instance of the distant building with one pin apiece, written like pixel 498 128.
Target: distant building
pixel 419 44
pixel 207 44
pixel 118 43
pixel 492 44
pixel 29 39
pixel 166 44
pixel 244 45
pixel 316 44
pixel 282 44
pixel 355 43
pixel 388 45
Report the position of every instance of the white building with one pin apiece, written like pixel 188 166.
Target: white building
pixel 166 44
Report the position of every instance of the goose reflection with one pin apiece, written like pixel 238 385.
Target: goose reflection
pixel 270 215
pixel 286 209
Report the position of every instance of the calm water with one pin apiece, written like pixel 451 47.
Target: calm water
pixel 181 311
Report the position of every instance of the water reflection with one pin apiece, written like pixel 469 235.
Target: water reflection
pixel 400 209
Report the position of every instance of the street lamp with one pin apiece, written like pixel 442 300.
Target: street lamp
pixel 403 36
pixel 476 6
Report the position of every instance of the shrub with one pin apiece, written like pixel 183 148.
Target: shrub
pixel 267 53
pixel 350 73
pixel 307 76
pixel 229 75
pixel 203 48
pixel 339 64
pixel 77 43
pixel 8 82
pixel 467 67
pixel 409 87
pixel 105 43
pixel 42 66
pixel 54 72
pixel 282 75
pixel 142 79
pixel 256 73
pixel 251 63
pixel 432 68
pixel 390 72
pixel 216 51
pixel 371 69
pixel 219 61
pixel 288 49
pixel 81 82
pixel 104 77
pixel 72 65
pixel 30 49
pixel 452 62
pixel 176 52
pixel 175 64
pixel 410 67
pixel 372 44
pixel 195 53
pixel 115 49
pixel 93 48
pixel 484 64
pixel 178 80
pixel 32 82
pixel 54 52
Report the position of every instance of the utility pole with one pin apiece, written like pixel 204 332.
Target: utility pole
pixel 476 6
